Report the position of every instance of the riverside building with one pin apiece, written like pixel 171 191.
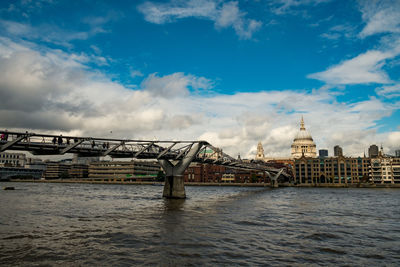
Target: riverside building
pixel 124 170
pixel 385 170
pixel 332 170
pixel 12 159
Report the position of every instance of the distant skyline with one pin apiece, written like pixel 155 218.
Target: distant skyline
pixel 230 72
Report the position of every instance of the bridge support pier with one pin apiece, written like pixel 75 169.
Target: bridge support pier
pixel 174 181
pixel 274 179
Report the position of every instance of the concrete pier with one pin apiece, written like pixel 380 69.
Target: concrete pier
pixel 174 187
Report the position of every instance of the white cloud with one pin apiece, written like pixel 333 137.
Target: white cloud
pixel 363 69
pixel 390 91
pixel 224 14
pixel 174 85
pixel 50 91
pixel 136 73
pixel 380 17
pixel 338 31
pixel 285 6
pixel 56 35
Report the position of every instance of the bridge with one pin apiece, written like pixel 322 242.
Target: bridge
pixel 173 156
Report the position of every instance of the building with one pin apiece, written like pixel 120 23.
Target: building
pixel 78 171
pixel 397 153
pixel 373 151
pixel 124 170
pixel 331 170
pixel 84 160
pixel 56 170
pixel 204 173
pixel 303 144
pixel 260 152
pixel 228 178
pixel 385 170
pixel 210 173
pixel 323 153
pixel 337 151
pixel 210 153
pixel 7 173
pixel 12 159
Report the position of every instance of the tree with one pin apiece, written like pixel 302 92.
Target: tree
pixel 160 176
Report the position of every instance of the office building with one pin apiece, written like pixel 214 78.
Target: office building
pixel 337 151
pixel 323 153
pixel 124 170
pixel 373 151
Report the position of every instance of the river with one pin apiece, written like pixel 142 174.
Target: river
pixel 132 225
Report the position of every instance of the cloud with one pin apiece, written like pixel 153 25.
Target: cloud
pixel 49 91
pixel 47 33
pixel 53 34
pixel 380 17
pixel 390 91
pixel 136 73
pixel 223 14
pixel 338 31
pixel 286 6
pixel 174 85
pixel 363 69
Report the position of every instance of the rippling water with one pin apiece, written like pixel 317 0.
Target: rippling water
pixel 120 225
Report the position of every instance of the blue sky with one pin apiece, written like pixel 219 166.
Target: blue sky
pixel 231 72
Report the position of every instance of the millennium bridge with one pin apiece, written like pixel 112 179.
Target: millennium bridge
pixel 173 156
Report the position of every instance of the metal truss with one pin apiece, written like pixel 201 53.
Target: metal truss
pixel 44 144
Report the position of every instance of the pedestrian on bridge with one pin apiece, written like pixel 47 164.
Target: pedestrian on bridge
pixel 54 140
pixel 60 140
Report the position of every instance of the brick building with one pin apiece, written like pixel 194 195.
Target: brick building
pixel 210 173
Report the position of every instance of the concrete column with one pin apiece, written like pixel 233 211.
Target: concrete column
pixel 174 187
pixel 174 181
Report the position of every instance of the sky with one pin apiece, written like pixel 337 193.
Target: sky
pixel 233 73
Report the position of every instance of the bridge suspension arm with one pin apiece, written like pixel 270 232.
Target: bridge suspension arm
pixel 111 149
pixel 165 151
pixel 184 151
pixel 72 146
pixel 143 149
pixel 13 142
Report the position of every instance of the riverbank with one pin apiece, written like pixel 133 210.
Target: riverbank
pixel 84 181
pixel 87 181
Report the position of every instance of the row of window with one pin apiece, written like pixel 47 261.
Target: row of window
pixel 10 156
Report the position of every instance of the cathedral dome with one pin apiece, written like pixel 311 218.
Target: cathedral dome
pixel 303 134
pixel 303 144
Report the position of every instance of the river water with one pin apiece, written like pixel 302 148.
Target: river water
pixel 131 225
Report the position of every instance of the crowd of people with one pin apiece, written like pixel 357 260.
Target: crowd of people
pixel 61 140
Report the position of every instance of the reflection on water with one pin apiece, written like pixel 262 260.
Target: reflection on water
pixel 83 224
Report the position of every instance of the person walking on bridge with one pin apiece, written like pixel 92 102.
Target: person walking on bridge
pixel 60 140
